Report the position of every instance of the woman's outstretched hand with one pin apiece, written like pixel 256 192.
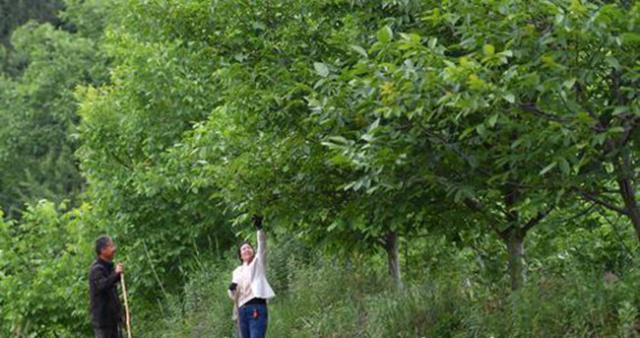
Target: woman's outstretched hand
pixel 257 221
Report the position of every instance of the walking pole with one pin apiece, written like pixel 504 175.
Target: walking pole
pixel 126 307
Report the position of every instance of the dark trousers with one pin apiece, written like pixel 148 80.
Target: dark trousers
pixel 253 320
pixel 108 332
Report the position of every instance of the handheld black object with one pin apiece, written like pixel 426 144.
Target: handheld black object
pixel 257 221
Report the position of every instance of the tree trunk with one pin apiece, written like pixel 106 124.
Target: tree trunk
pixel 514 237
pixel 515 246
pixel 628 192
pixel 628 195
pixel 393 258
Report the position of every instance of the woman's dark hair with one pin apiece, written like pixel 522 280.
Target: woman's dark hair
pixel 240 249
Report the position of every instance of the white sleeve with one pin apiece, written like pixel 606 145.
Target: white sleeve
pixel 234 279
pixel 262 245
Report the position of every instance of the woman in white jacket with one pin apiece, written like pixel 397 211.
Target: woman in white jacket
pixel 249 287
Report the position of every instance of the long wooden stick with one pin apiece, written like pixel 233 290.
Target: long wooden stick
pixel 126 306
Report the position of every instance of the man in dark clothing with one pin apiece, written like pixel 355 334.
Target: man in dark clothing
pixel 106 310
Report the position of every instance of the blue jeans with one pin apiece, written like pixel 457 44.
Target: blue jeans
pixel 253 320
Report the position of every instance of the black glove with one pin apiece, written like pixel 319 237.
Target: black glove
pixel 257 221
pixel 233 287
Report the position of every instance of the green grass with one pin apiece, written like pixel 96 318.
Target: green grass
pixel 328 299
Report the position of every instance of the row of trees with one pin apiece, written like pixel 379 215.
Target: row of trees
pixel 40 67
pixel 355 124
pixel 45 229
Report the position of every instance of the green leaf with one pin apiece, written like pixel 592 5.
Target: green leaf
pixel 547 168
pixel 481 129
pixel 509 97
pixel 613 62
pixel 476 83
pixel 375 124
pixel 488 50
pixel 338 139
pixel 569 83
pixel 321 69
pixel 259 25
pixel 332 226
pixel 564 166
pixel 433 42
pixel 385 34
pixel 359 50
pixel 492 120
pixel 620 110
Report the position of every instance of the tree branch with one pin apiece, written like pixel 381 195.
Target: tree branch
pixel 453 148
pixel 629 128
pixel 536 220
pixel 532 108
pixel 594 199
pixel 118 159
pixel 478 207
